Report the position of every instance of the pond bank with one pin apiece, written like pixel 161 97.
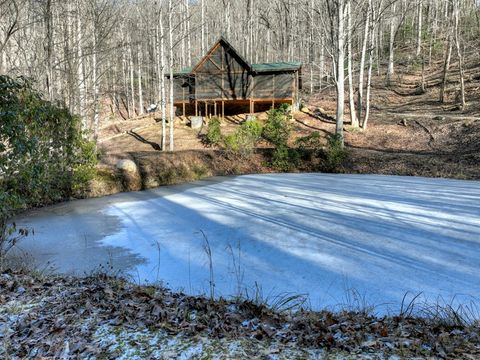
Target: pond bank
pixel 159 169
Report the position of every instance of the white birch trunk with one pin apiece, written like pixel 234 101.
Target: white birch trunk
pixel 459 52
pixel 170 59
pixel 419 27
pixel 139 79
pixel 163 93
pixel 322 62
pixel 340 68
pixel 353 118
pixel 96 112
pixel 80 72
pixel 361 74
pixel 132 73
pixel 202 25
pixel 189 39
pixel 369 74
pixel 391 45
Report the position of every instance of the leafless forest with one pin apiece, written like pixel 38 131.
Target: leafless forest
pixel 109 58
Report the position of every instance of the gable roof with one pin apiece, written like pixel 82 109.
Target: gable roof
pixel 223 42
pixel 256 68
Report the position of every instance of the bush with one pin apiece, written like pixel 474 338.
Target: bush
pixel 277 129
pixel 245 139
pixel 9 235
pixel 43 156
pixel 285 109
pixel 254 128
pixel 231 143
pixel 285 159
pixel 84 168
pixel 310 144
pixel 214 134
pixel 335 154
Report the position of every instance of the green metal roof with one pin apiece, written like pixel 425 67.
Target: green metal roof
pixel 279 66
pixel 184 71
pixel 264 67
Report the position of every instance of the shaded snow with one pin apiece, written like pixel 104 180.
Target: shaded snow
pixel 348 240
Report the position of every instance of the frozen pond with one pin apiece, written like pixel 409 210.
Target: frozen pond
pixel 340 239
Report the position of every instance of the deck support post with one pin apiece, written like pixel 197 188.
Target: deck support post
pixel 196 108
pixel 223 110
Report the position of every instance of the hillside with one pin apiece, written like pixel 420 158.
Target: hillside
pixel 409 133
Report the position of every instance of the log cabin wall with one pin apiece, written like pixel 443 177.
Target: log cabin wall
pixel 223 77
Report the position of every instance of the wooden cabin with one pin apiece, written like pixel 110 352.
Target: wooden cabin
pixel 223 78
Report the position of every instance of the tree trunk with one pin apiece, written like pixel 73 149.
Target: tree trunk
pixel 170 59
pixel 189 40
pixel 139 80
pixel 353 118
pixel 361 74
pixel 132 73
pixel 419 27
pixel 163 92
pixel 446 66
pixel 49 47
pixel 369 74
pixel 391 45
pixel 125 84
pixel 459 52
pixel 96 112
pixel 340 68
pixel 322 62
pixel 80 71
pixel 202 25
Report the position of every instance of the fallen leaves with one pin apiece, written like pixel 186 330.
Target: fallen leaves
pixel 59 316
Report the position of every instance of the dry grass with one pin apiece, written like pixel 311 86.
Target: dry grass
pixel 56 316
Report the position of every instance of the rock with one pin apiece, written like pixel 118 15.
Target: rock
pixel 250 118
pixel 151 108
pixel 127 165
pixel 196 122
pixel 131 179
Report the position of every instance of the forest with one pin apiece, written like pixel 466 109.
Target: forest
pixel 109 58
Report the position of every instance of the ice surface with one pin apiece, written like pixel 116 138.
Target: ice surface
pixel 343 240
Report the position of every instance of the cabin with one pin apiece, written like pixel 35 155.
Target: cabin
pixel 224 80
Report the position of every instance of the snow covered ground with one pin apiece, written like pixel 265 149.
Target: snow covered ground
pixel 343 240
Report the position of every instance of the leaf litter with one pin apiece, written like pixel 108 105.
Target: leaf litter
pixel 99 316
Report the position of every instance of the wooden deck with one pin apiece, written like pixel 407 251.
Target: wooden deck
pixel 216 107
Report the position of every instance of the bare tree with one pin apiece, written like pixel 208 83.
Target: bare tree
pixel 370 66
pixel 337 12
pixel 170 60
pixel 419 26
pixel 361 75
pixel 353 117
pixel 101 55
pixel 458 46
